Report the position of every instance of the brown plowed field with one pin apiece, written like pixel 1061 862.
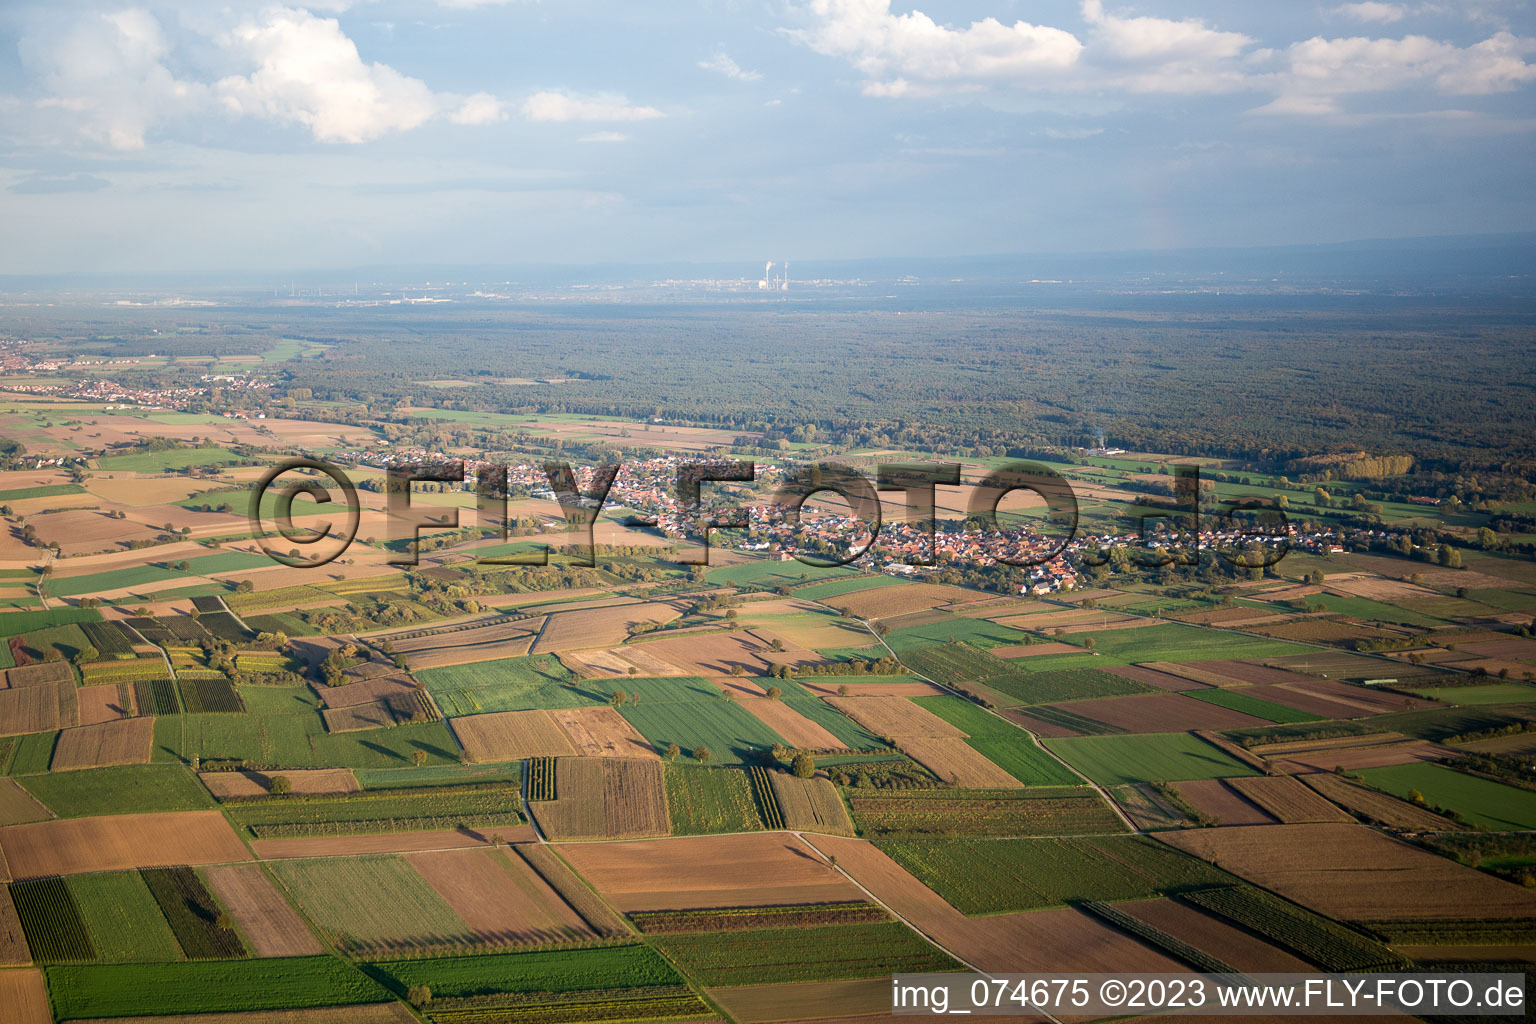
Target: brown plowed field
pixel 29 709
pixel 511 736
pixel 265 918
pixel 126 741
pixel 810 804
pixel 118 842
pixel 85 531
pixel 1355 873
pixel 1152 677
pixel 712 655
pixel 13 941
pixel 895 717
pixel 357 717
pixel 1287 800
pixel 365 691
pixel 39 675
pixel 601 732
pixel 956 761
pixel 1198 673
pixel 756 869
pixel 1352 759
pixel 617 661
pixel 1003 942
pixel 1375 806
pixel 1510 648
pixel 761 1004
pixel 24 998
pixel 17 806
pixel 1225 805
pixel 102 703
pixel 1363 699
pixel 500 898
pixel 1122 622
pixel 464 654
pixel 305 780
pixel 1245 672
pixel 1038 726
pixel 881 602
pixel 1302 701
pixel 1162 712
pixel 387 842
pixel 499 628
pixel 1212 935
pixel 598 627
pixel 797 730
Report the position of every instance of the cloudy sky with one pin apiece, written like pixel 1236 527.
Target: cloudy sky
pixel 181 134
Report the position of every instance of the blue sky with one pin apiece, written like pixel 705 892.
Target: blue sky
pixel 184 135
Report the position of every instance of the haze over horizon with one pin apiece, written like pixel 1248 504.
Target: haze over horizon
pixel 165 136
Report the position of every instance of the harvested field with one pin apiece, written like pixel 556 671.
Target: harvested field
pixel 17 806
pixel 24 997
pixel 128 741
pixel 266 920
pixel 365 691
pixel 85 531
pixel 1001 942
pixel 368 1013
pixel 1246 672
pixel 1039 726
pixel 1288 801
pixel 1194 673
pixel 511 736
pixel 1373 806
pixel 601 732
pixel 1288 695
pixel 1509 648
pixel 1161 712
pixel 573 890
pixel 761 1004
pixel 882 602
pixel 473 633
pixel 894 717
pixel 1324 758
pixel 115 843
pixel 384 842
pixel 105 703
pixel 1210 934
pixel 1152 677
pixel 709 871
pixel 1225 805
pixel 34 709
pixel 13 940
pixel 39 675
pixel 500 898
pixel 797 730
pixel 357 717
pixel 441 657
pixel 1035 650
pixel 617 661
pixel 714 654
pixel 606 798
pixel 1354 873
pixel 955 761
pixel 811 805
pixel 308 781
pixel 598 627
pixel 1147 808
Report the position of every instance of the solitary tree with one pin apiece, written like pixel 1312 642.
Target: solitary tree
pixel 774 693
pixel 842 689
pixel 280 785
pixel 673 751
pixel 419 995
pixel 619 698
pixel 418 757
pixel 701 754
pixel 803 765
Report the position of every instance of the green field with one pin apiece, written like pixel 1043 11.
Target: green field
pixel 1175 641
pixel 837 588
pixel 567 970
pixel 171 458
pixel 825 953
pixel 1481 801
pixel 848 732
pixel 1473 696
pixel 1001 742
pixel 128 789
pixel 976 632
pixel 371 903
pixel 1151 757
pixel 96 583
pixel 48 491
pixel 508 684
pixel 921 813
pixel 998 876
pixel 379 810
pixel 12 623
pixel 298 741
pixel 1236 700
pixel 772 574
pixel 437 775
pixel 707 800
pixel 732 734
pixel 123 919
pixel 134 990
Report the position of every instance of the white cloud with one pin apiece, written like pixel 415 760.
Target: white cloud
pixel 557 107
pixel 911 54
pixel 1372 10
pixel 106 74
pixel 481 108
pixel 1149 54
pixel 604 137
pixel 309 72
pixel 1323 70
pixel 721 62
